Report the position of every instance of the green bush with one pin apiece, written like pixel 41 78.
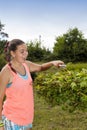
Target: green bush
pixel 76 66
pixel 66 87
pixel 2 61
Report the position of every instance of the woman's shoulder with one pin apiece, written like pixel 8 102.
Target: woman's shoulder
pixel 5 69
pixel 5 75
pixel 28 63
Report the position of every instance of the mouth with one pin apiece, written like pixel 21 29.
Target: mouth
pixel 24 59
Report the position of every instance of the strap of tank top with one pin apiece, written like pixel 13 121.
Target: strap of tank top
pixel 26 67
pixel 11 69
pixel 14 73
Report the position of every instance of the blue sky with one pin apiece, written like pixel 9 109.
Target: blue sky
pixel 28 19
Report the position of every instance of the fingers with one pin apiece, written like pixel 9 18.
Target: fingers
pixel 62 66
pixel 58 63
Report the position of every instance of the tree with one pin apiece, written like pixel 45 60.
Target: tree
pixel 38 53
pixel 2 34
pixel 72 46
pixel 35 51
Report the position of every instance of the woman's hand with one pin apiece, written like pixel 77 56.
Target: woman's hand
pixel 57 63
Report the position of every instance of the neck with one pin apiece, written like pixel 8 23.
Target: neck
pixel 16 64
pixel 17 67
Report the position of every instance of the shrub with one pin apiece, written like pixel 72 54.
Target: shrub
pixel 66 87
pixel 2 61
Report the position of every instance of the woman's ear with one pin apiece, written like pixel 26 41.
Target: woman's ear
pixel 12 54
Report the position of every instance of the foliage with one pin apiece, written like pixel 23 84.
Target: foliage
pixel 72 46
pixel 2 44
pixel 66 87
pixel 3 61
pixel 36 52
pixel 76 66
pixel 2 34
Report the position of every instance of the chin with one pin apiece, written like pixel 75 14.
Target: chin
pixel 23 61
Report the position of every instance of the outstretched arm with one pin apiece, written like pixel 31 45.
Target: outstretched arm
pixel 37 67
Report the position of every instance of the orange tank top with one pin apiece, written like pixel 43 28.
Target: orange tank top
pixel 18 106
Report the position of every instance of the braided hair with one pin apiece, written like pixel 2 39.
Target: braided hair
pixel 6 51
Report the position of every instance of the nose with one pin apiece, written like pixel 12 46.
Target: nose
pixel 25 54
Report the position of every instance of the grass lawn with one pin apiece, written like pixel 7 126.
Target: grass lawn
pixel 54 118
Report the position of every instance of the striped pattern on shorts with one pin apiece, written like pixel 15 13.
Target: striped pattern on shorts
pixel 9 125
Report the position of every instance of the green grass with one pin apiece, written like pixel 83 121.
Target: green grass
pixel 54 118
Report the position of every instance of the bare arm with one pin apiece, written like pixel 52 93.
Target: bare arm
pixel 4 79
pixel 1 128
pixel 37 67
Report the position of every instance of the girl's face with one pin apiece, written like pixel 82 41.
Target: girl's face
pixel 20 54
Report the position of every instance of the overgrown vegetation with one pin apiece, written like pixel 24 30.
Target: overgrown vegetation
pixel 66 87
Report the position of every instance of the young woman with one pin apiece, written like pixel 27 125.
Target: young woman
pixel 17 111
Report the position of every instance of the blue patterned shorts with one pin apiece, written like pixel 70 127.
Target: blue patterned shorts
pixel 9 125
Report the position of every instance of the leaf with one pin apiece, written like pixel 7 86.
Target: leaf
pixel 83 84
pixel 73 85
